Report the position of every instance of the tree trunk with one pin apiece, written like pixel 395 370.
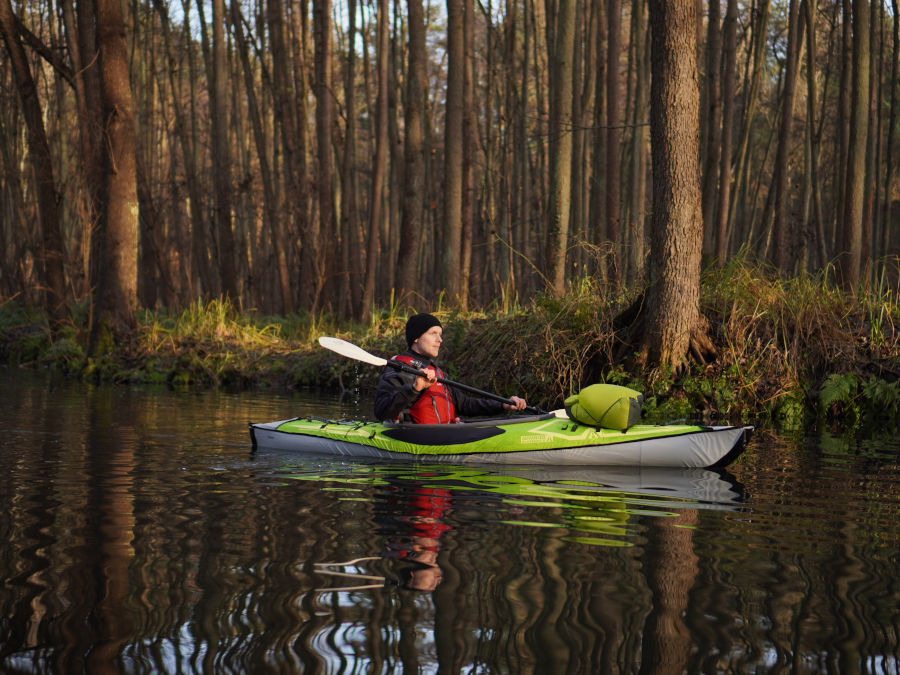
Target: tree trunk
pixel 116 292
pixel 561 82
pixel 350 301
pixel 381 159
pixel 324 226
pixel 852 226
pixel 891 134
pixel 469 137
pixel 221 154
pixel 783 231
pixel 614 47
pixel 712 124
pixel 453 150
pixel 50 258
pixel 673 318
pixel 413 218
pixel 597 197
pixel 719 224
pixel 286 118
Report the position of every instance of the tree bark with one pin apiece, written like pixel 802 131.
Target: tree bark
pixel 221 154
pixel 673 318
pixel 412 220
pixel 783 231
pixel 719 224
pixel 849 262
pixel 561 167
pixel 116 292
pixel 453 150
pixel 324 226
pixel 712 124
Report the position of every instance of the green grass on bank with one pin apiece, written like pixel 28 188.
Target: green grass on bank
pixel 789 350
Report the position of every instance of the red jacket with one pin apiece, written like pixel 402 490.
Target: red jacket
pixel 435 404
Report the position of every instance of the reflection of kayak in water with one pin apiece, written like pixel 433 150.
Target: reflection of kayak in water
pixel 417 504
pixel 703 488
pixel 551 439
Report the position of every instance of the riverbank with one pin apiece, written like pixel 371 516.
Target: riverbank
pixel 789 350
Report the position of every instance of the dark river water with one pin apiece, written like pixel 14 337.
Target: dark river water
pixel 141 534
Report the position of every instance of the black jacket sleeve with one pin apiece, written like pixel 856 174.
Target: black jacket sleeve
pixel 395 393
pixel 474 406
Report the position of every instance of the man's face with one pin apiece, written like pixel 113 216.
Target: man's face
pixel 429 343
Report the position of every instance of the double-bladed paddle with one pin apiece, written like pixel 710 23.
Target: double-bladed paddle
pixel 351 351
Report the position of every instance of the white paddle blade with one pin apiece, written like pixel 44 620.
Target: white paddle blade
pixel 351 351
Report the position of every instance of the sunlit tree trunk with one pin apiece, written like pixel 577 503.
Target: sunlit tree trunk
pixel 50 259
pixel 852 226
pixel 412 220
pixel 673 320
pixel 116 292
pixel 221 153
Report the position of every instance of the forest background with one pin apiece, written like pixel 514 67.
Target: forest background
pixel 254 173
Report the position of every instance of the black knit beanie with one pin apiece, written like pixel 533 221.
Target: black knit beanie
pixel 417 324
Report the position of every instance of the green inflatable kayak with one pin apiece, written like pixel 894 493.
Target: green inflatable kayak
pixel 548 439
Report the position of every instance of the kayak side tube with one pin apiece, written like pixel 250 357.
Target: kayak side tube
pixel 538 440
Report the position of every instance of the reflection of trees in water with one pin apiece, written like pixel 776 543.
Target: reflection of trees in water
pixel 121 549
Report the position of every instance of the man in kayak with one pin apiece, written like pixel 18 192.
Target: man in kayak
pixel 422 398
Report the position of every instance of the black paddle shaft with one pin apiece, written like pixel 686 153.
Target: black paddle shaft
pixel 459 385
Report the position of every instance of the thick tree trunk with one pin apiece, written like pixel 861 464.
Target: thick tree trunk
pixel 673 318
pixel 116 293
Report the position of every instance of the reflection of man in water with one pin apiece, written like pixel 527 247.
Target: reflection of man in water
pixel 415 530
